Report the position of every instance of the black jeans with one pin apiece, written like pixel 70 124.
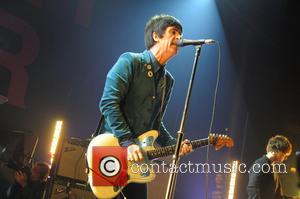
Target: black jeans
pixel 134 191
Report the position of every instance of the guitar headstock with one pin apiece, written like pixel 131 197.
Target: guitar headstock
pixel 220 140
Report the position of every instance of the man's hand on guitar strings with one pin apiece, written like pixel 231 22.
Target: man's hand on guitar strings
pixel 134 153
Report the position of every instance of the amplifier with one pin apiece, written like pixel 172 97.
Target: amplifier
pixel 72 163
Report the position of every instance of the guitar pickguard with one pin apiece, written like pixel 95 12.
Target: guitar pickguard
pixel 146 142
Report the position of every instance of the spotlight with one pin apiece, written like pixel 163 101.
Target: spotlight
pixel 232 179
pixel 298 165
pixel 55 139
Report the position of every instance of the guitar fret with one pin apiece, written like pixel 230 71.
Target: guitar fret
pixel 169 150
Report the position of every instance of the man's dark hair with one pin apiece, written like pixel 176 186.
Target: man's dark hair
pixel 159 24
pixel 279 143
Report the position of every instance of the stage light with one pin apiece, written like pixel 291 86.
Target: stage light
pixel 293 170
pixel 232 179
pixel 55 140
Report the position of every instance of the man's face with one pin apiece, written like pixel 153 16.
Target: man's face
pixel 167 43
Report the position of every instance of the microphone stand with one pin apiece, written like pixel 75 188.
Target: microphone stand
pixel 33 151
pixel 173 175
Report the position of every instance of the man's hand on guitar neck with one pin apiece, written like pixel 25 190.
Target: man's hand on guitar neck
pixel 186 147
pixel 134 152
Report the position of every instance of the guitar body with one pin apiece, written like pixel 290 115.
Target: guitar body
pixel 135 174
pixel 138 172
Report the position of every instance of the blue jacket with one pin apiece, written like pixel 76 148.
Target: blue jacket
pixel 132 97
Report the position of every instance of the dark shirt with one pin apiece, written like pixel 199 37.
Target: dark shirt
pixel 33 190
pixel 263 185
pixel 136 93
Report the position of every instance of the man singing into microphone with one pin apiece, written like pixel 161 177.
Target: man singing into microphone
pixel 137 90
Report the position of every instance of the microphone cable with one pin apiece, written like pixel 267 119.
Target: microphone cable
pixel 213 114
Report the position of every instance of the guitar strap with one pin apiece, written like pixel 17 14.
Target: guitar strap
pixel 97 131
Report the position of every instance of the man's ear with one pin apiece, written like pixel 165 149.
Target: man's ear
pixel 155 36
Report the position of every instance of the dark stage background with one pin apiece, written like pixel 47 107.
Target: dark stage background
pixel 54 56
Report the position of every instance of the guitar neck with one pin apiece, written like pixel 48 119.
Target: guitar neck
pixel 169 150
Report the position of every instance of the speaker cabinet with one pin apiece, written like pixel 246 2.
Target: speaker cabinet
pixel 72 162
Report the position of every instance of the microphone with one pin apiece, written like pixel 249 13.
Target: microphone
pixel 187 42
